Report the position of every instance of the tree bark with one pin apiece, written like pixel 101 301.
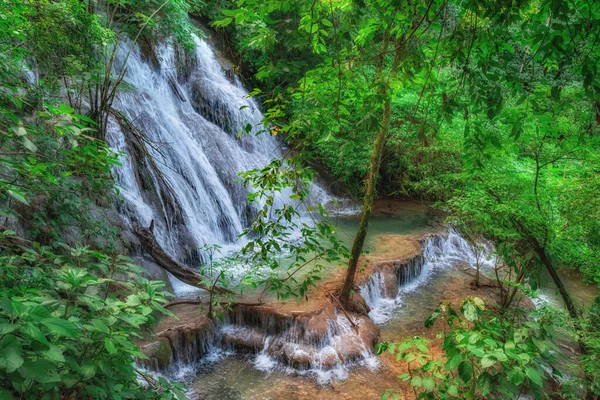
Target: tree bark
pixel 359 240
pixel 378 146
pixel 178 270
pixel 541 252
pixel 557 281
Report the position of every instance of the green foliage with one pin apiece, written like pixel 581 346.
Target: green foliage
pixel 69 322
pixel 495 109
pixel 590 338
pixel 70 316
pixel 47 162
pixel 281 189
pixel 487 354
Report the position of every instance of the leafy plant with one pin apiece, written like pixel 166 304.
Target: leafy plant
pixel 69 322
pixel 285 253
pixel 487 354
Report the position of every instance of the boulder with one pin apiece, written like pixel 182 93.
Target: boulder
pixel 390 284
pixel 298 355
pixel 349 348
pixel 357 304
pixel 368 331
pixel 158 352
pixel 244 339
pixel 318 325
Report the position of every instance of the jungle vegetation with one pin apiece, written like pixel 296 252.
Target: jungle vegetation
pixel 487 109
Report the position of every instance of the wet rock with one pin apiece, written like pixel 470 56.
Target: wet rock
pixel 390 284
pixel 329 360
pixel 357 304
pixel 349 348
pixel 318 325
pixel 368 331
pixel 148 51
pixel 158 352
pixel 298 355
pixel 191 341
pixel 244 339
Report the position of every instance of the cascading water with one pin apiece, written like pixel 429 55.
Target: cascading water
pixel 438 252
pixel 183 173
pixel 323 344
pixel 181 162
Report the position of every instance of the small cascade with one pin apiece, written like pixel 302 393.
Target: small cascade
pixel 324 344
pixel 384 289
pixel 320 342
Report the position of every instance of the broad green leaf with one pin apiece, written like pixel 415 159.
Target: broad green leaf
pixel 484 383
pixel 54 353
pixel 60 327
pixel 110 346
pixel 465 371
pixel 487 361
pixel 428 383
pixel 39 370
pixel 516 376
pixel 35 333
pixel 10 353
pixel 15 194
pixel 7 328
pixel 534 376
pixel 453 362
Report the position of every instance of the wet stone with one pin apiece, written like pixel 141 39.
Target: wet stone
pixel 244 339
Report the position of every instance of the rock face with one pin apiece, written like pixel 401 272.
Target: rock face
pixel 182 343
pixel 390 283
pixel 159 354
pixel 243 339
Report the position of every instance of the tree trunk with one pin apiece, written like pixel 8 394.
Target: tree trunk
pixel 178 270
pixel 359 240
pixel 557 281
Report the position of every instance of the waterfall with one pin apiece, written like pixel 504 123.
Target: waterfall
pixel 183 173
pixel 325 346
pixel 179 169
pixel 322 343
pixel 439 251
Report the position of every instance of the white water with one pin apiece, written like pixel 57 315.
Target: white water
pixel 438 253
pixel 191 121
pixel 321 353
pixel 296 350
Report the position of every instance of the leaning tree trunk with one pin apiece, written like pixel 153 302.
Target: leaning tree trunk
pixel 359 240
pixel 557 281
pixel 182 272
pixel 541 252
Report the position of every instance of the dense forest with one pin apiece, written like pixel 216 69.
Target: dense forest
pixel 133 160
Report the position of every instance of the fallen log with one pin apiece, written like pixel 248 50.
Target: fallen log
pixel 178 270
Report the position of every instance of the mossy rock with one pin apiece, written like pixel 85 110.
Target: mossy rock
pixel 159 353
